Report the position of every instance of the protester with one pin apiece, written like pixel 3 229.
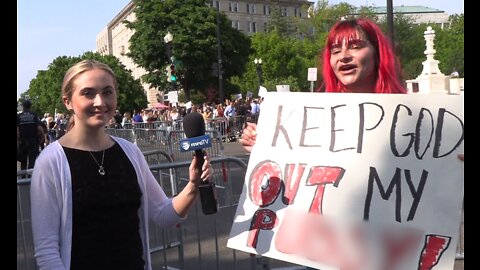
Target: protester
pixel 358 58
pixel 118 119
pixel 92 194
pixel 29 136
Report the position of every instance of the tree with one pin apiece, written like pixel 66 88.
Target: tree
pixel 193 25
pixel 286 57
pixel 279 23
pixel 45 89
pixel 285 60
pixel 449 44
pixel 409 44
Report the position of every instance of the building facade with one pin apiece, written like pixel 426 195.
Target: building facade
pixel 418 14
pixel 248 17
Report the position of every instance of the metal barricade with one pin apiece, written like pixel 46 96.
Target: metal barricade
pixel 218 124
pixel 127 134
pixel 25 259
pixel 199 242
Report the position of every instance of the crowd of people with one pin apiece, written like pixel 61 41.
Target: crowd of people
pixel 209 111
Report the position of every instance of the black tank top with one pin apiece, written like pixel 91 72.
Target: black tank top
pixel 105 219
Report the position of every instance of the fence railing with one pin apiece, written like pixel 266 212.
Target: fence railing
pixel 199 242
pixel 228 129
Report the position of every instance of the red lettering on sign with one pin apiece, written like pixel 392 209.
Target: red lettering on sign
pixel 263 219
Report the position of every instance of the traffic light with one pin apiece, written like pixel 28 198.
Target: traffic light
pixel 173 73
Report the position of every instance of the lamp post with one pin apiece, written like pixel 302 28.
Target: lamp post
pixel 168 43
pixel 219 57
pixel 171 70
pixel 390 21
pixel 258 63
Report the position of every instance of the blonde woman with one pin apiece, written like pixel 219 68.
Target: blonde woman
pixel 91 193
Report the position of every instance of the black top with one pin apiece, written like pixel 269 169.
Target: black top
pixel 27 123
pixel 105 232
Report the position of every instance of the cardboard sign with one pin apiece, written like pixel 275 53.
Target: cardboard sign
pixel 354 181
pixel 283 88
pixel 262 91
pixel 312 74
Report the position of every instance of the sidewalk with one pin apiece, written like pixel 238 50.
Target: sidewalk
pixel 234 149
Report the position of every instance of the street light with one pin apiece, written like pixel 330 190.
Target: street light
pixel 168 44
pixel 219 56
pixel 258 63
pixel 168 37
pixel 171 72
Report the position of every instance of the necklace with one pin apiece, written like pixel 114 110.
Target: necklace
pixel 101 169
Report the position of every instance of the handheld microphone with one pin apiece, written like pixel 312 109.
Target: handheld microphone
pixel 194 127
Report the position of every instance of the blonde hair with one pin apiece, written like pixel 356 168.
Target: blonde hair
pixel 77 69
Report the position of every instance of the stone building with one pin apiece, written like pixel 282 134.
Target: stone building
pixel 418 14
pixel 247 16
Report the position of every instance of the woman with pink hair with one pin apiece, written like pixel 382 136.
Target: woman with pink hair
pixel 358 58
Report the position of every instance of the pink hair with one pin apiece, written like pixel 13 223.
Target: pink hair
pixel 387 79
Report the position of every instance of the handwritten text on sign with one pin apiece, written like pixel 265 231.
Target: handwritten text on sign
pixel 354 181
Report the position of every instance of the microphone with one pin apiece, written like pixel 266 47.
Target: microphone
pixel 194 127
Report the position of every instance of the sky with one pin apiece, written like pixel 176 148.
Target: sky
pixel 48 29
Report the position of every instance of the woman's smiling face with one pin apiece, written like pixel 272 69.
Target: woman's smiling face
pixel 94 98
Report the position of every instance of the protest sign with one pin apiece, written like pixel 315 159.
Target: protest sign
pixel 262 91
pixel 354 181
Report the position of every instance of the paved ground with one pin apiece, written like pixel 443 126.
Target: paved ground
pixel 234 149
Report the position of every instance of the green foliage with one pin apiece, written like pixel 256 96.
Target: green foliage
pixel 286 57
pixel 197 97
pixel 193 25
pixel 409 44
pixel 325 15
pixel 285 61
pixel 449 44
pixel 283 25
pixel 45 88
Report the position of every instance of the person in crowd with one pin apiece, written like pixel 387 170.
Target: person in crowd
pixel 92 194
pixel 207 113
pixel 61 124
pixel 51 129
pixel 29 136
pixel 118 119
pixel 229 111
pixel 358 58
pixel 150 117
pixel 137 117
pixel 254 106
pixel 218 111
pixel 43 123
pixel 175 115
pixel 126 120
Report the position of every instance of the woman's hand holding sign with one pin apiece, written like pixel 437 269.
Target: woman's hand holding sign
pixel 249 136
